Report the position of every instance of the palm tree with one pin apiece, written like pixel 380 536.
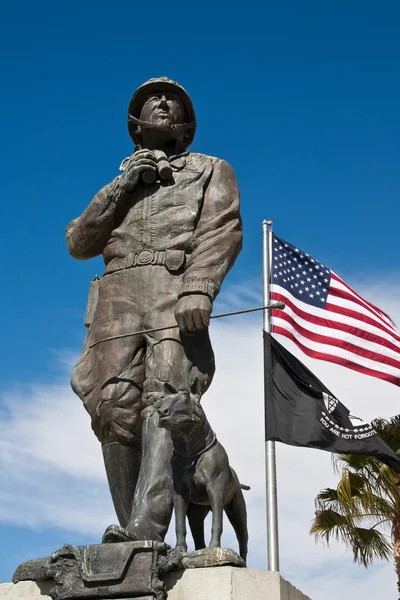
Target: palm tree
pixel 364 509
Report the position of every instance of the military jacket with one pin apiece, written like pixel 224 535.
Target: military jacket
pixel 196 212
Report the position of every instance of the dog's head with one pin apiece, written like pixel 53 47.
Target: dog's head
pixel 179 411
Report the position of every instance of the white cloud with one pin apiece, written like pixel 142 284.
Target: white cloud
pixel 53 476
pixel 51 468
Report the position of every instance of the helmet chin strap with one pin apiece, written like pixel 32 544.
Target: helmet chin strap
pixel 176 127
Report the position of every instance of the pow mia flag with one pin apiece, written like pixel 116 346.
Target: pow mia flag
pixel 301 411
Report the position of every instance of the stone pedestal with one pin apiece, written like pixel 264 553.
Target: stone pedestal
pixel 213 583
pixel 102 571
pixel 229 583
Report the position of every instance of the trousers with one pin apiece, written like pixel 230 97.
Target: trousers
pixel 120 380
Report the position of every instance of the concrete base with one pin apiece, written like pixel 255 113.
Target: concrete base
pixel 213 583
pixel 229 583
pixel 25 590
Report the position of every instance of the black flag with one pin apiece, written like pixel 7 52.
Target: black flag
pixel 301 411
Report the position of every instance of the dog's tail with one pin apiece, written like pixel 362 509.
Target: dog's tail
pixel 245 487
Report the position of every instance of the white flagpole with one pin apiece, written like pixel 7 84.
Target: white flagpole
pixel 270 459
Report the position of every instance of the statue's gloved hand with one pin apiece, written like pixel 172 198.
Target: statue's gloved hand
pixel 192 312
pixel 143 161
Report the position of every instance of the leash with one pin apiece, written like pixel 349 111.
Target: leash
pixel 277 305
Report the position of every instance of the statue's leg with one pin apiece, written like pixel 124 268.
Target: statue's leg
pixel 122 465
pixel 109 379
pixel 237 515
pixel 215 495
pixel 168 368
pixel 196 515
pixel 152 504
pixel 186 363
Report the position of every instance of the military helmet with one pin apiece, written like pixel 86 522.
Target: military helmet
pixel 159 85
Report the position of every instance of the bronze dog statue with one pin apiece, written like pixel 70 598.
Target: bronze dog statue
pixel 201 476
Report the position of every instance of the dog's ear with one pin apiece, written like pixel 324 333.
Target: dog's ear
pixel 169 388
pixel 197 409
pixel 195 390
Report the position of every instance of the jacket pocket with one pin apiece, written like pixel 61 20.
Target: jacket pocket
pixel 92 301
pixel 174 259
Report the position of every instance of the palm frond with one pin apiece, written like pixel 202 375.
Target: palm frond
pixel 357 462
pixel 327 498
pixel 329 523
pixel 367 544
pixel 364 503
pixel 353 496
pixel 389 430
pixel 350 487
pixel 378 478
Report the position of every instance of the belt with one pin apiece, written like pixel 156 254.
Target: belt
pixel 173 260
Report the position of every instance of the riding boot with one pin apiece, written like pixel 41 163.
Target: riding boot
pixel 122 467
pixel 152 504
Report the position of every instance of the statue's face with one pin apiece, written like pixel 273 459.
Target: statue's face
pixel 162 109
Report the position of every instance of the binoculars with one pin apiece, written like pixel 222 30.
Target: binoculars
pixel 163 167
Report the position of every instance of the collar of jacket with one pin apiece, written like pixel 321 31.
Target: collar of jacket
pixel 178 161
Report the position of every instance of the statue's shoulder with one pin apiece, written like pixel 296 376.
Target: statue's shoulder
pixel 196 159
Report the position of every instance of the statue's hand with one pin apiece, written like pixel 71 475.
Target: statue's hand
pixel 192 312
pixel 143 161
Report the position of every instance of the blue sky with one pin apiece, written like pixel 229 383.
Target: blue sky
pixel 300 97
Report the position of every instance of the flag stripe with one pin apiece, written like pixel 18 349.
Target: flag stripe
pixel 336 359
pixel 380 312
pixel 342 322
pixel 365 350
pixel 344 295
pixel 340 351
pixel 347 312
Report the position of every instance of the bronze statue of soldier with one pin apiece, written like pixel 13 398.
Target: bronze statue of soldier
pixel 169 230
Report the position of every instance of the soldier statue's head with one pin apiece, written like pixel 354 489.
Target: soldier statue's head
pixel 161 110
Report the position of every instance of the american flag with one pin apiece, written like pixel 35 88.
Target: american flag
pixel 327 319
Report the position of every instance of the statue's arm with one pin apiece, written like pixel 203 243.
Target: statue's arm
pixel 87 235
pixel 218 238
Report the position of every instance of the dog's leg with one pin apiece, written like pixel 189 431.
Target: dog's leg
pixel 180 506
pixel 216 491
pixel 196 514
pixel 237 515
pixel 181 497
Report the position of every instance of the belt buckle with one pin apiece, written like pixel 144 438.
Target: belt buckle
pixel 144 257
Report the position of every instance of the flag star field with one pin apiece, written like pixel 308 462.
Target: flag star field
pixel 307 279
